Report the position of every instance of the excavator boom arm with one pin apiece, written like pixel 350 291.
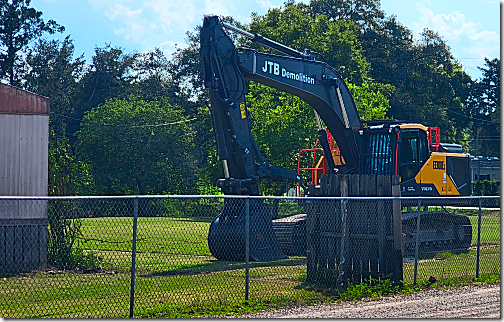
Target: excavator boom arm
pixel 225 70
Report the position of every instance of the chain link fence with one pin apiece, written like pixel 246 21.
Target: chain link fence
pixel 450 240
pixel 147 256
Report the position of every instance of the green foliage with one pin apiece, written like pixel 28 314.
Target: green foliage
pixel 371 288
pixel 490 278
pixel 67 175
pixel 54 73
pixel 337 41
pixel 19 24
pixel 63 234
pixel 282 124
pixel 138 147
pixel 209 167
pixel 363 12
pixel 109 76
pixel 486 188
pixel 430 86
pixel 371 101
pixel 484 110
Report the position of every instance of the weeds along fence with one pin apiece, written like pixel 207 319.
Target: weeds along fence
pixel 148 256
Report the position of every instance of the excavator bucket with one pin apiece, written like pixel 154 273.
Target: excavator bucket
pixel 226 236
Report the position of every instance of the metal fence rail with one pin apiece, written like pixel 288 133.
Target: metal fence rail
pixel 146 256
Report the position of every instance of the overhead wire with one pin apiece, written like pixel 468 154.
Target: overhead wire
pixel 474 118
pixel 126 125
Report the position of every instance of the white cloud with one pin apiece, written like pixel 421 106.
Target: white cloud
pixel 121 11
pixel 455 28
pixel 168 47
pixel 163 23
pixel 217 7
pixel 266 4
pixel 182 13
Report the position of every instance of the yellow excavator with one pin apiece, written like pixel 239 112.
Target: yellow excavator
pixel 390 147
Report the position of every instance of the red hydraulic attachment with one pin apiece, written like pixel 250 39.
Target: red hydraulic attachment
pixel 320 167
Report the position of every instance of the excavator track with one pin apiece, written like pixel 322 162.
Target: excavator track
pixel 291 234
pixel 439 231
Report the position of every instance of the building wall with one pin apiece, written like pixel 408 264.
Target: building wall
pixel 24 144
pixel 24 163
pixel 493 173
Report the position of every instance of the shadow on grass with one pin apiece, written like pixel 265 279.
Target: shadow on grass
pixel 442 254
pixel 185 218
pixel 222 266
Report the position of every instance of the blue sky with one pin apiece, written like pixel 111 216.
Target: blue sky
pixel 470 27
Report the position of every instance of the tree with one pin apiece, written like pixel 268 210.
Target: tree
pixel 365 13
pixel 67 175
pixel 484 108
pixel 336 42
pixel 19 24
pixel 138 147
pixel 109 76
pixel 153 79
pixel 371 100
pixel 430 84
pixel 54 72
pixel 187 73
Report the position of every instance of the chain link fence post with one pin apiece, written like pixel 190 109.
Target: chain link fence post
pixel 479 239
pixel 247 247
pixel 417 239
pixel 133 256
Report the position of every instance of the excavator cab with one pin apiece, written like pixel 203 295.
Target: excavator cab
pixel 413 151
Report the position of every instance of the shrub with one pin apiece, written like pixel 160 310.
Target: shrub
pixel 64 229
pixel 486 188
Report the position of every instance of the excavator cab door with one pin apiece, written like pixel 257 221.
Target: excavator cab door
pixel 414 152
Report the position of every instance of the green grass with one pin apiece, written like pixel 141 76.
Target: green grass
pixel 490 228
pixel 177 276
pixel 452 266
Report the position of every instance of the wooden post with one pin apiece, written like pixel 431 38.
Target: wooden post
pixel 365 223
pixel 389 256
pixel 334 184
pixel 353 222
pixel 323 245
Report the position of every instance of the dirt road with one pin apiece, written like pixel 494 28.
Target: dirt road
pixel 462 302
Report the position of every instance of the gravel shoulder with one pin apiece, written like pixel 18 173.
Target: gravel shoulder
pixel 460 302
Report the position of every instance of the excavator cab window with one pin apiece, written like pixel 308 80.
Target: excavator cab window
pixel 377 153
pixel 413 153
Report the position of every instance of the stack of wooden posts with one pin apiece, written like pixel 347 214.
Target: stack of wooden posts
pixel 354 239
